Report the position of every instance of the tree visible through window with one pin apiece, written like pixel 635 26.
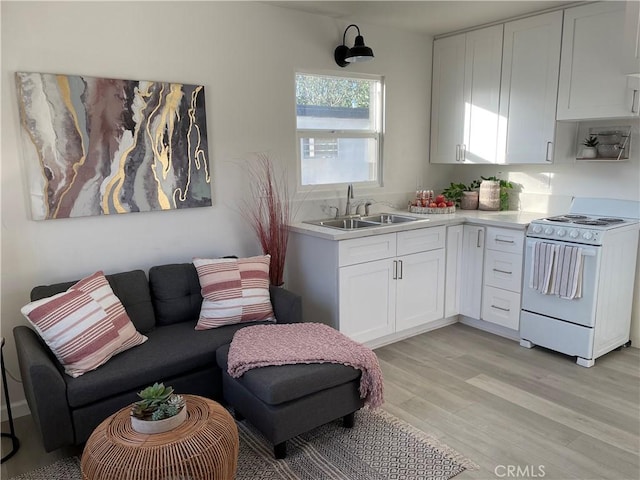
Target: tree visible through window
pixel 338 126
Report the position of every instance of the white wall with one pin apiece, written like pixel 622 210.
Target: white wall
pixel 246 55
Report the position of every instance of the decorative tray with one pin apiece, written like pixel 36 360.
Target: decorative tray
pixel 428 210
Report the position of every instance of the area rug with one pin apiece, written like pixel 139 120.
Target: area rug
pixel 379 446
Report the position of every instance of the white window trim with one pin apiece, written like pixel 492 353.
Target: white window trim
pixel 328 188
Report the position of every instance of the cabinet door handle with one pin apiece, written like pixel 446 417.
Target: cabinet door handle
pixel 395 269
pixel 400 276
pixel 501 308
pixel 463 152
pixel 502 271
pixel 478 243
pixel 548 157
pixel 633 102
pixel 504 241
pixel 457 153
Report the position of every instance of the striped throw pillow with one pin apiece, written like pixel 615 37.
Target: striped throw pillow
pixel 233 291
pixel 85 326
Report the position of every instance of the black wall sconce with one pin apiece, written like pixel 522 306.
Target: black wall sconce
pixel 358 53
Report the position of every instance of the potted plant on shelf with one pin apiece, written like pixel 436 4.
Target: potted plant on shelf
pixel 159 410
pixel 590 147
pixel 268 210
pixel 464 196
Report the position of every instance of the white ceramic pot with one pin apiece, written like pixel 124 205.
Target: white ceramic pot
pixel 159 426
pixel 589 152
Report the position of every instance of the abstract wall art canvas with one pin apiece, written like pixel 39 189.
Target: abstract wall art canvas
pixel 100 146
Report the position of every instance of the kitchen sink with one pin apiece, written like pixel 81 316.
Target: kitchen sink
pixel 356 221
pixel 389 218
pixel 346 223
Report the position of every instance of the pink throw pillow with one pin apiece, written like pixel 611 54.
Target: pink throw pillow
pixel 233 291
pixel 85 326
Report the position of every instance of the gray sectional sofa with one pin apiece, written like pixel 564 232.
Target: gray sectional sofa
pixel 165 308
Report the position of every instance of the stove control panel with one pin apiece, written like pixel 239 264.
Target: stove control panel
pixel 565 233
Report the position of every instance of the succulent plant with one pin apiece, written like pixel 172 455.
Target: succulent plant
pixel 591 141
pixel 157 402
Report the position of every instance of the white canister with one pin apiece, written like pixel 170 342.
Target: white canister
pixel 489 195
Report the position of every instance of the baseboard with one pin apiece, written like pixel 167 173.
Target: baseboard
pixel 18 409
pixel 411 332
pixel 490 327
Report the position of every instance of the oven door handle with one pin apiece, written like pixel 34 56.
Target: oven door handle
pixel 586 252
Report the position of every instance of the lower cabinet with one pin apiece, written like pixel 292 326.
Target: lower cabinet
pixel 381 297
pixel 489 275
pixel 471 271
pixel 502 283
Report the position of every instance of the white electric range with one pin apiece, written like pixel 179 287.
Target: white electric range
pixel 605 232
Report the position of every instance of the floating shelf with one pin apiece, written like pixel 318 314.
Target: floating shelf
pixel 614 143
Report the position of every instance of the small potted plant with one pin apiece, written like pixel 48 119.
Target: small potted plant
pixel 159 410
pixel 464 196
pixel 590 147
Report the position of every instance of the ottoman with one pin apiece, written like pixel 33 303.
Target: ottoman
pixel 287 400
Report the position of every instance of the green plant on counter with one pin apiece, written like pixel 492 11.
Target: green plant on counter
pixel 505 186
pixel 454 191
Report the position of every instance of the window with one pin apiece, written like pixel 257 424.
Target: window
pixel 339 127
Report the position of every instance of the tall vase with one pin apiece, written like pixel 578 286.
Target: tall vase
pixel 489 195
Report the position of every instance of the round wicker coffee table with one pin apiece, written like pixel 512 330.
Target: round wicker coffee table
pixel 205 446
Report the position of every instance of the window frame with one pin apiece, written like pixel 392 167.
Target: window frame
pixel 377 134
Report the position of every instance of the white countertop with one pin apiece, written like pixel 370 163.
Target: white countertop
pixel 506 219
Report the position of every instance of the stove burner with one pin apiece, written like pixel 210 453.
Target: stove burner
pixel 611 220
pixel 591 222
pixel 576 217
pixel 559 219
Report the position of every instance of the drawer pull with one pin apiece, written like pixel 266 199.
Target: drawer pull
pixel 501 308
pixel 502 271
pixel 504 241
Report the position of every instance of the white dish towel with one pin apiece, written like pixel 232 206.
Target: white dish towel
pixel 542 267
pixel 567 282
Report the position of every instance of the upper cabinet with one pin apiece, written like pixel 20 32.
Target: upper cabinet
pixel 466 96
pixel 530 65
pixel 595 60
pixel 632 38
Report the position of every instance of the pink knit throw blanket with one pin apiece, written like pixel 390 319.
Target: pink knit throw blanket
pixel 286 344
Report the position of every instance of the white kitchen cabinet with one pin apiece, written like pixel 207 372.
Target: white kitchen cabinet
pixel 465 97
pixel 373 286
pixel 367 299
pixel 593 84
pixel 419 289
pixel 502 285
pixel 453 272
pixel 471 270
pixel 447 99
pixel 529 88
pixel 631 60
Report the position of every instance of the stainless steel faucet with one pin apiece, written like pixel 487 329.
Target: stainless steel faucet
pixel 347 210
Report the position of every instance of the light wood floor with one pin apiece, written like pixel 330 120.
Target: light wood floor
pixel 515 412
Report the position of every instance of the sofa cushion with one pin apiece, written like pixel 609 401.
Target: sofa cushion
pixel 234 290
pixel 84 326
pixel 175 293
pixel 131 288
pixel 172 350
pixel 283 383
